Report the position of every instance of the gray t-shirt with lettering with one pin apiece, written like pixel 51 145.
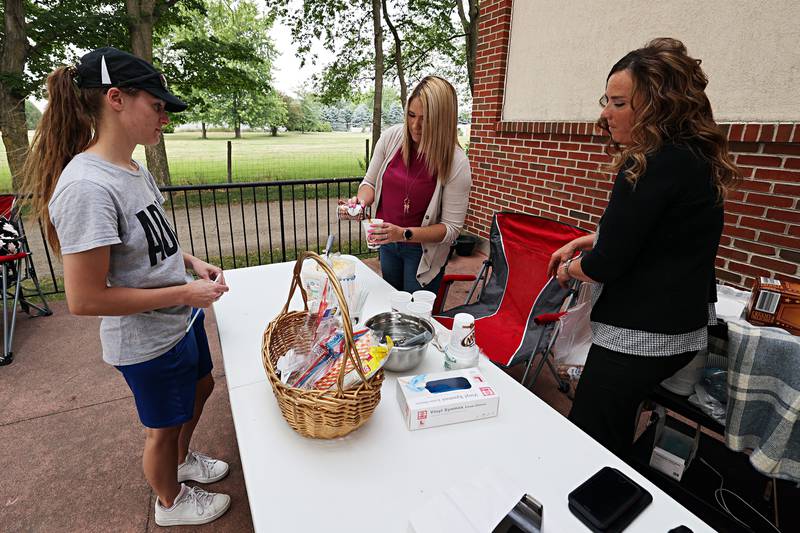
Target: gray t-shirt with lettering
pixel 96 204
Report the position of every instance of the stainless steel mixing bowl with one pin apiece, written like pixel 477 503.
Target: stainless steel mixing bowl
pixel 400 326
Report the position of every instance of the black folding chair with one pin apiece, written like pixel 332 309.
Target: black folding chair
pixel 17 269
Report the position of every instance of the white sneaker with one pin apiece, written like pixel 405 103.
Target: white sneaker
pixel 192 506
pixel 201 468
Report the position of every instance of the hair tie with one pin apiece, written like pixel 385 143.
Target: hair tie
pixel 72 72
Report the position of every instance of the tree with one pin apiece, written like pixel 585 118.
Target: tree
pixel 469 22
pixel 377 28
pixel 330 114
pixel 397 54
pixel 348 28
pixel 143 15
pixel 275 113
pixel 393 114
pixel 361 116
pixel 294 113
pixel 311 113
pixel 32 115
pixel 345 115
pixel 427 33
pixel 224 64
pixel 423 32
pixel 35 38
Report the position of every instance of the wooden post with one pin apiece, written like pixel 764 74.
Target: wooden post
pixel 366 151
pixel 230 176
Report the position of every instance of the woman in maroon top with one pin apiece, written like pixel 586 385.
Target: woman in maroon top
pixel 418 180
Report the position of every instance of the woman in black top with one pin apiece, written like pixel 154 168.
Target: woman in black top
pixel 652 258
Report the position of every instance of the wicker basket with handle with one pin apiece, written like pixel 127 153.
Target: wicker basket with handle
pixel 321 414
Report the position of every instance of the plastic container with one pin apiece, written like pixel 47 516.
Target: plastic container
pixel 455 359
pixel 420 309
pixel 465 244
pixel 314 277
pixel 399 301
pixel 424 296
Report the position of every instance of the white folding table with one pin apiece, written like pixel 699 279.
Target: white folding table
pixel 376 477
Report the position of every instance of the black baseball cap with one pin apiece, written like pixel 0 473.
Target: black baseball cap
pixel 109 67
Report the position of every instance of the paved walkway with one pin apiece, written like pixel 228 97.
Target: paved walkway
pixel 72 443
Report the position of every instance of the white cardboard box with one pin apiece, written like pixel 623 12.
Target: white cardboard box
pixel 673 452
pixel 430 400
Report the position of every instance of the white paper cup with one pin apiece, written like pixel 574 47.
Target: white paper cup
pixel 424 296
pixel 399 301
pixel 420 309
pixel 367 225
pixel 462 339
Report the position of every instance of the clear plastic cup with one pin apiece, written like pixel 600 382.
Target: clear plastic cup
pixel 424 296
pixel 455 359
pixel 420 309
pixel 399 301
pixel 367 224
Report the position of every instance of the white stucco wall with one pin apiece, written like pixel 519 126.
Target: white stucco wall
pixel 561 51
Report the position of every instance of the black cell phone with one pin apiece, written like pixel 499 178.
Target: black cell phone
pixel 448 384
pixel 605 497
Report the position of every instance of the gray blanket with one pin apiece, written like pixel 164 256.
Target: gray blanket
pixel 764 398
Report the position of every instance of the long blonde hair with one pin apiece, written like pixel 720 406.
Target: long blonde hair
pixel 671 106
pixel 439 128
pixel 67 128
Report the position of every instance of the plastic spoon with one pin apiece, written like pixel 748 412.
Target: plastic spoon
pixel 423 337
pixel 328 246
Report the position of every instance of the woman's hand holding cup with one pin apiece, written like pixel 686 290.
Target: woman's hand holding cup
pixel 373 230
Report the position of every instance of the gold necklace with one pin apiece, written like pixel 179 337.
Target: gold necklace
pixel 409 182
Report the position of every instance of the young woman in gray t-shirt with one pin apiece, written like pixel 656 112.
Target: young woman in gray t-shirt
pixel 102 212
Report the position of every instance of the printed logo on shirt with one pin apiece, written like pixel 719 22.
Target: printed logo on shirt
pixel 161 238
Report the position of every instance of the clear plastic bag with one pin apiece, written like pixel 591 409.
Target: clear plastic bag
pixel 324 329
pixel 573 342
pixel 708 403
pixel 351 211
pixel 715 381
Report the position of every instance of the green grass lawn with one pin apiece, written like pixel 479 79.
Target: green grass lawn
pixel 255 157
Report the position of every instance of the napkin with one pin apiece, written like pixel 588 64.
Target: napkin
pixel 474 505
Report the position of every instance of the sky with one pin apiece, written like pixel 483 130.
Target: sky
pixel 287 75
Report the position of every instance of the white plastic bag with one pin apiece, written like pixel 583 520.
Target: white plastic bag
pixel 574 337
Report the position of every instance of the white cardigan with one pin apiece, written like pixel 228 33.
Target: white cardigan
pixel 448 205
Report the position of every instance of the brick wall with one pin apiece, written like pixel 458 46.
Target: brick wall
pixel 555 169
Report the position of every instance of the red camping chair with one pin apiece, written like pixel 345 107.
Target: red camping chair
pixel 518 307
pixel 17 267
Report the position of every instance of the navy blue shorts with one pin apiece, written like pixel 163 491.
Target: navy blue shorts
pixel 164 387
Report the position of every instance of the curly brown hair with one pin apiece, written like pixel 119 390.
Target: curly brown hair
pixel 670 106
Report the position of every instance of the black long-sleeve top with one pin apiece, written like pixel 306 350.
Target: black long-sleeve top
pixel 657 245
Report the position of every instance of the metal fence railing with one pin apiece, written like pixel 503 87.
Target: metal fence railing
pixel 242 224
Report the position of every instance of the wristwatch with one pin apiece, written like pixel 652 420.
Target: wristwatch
pixel 407 234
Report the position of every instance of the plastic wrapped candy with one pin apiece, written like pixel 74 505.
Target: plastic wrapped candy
pixel 347 210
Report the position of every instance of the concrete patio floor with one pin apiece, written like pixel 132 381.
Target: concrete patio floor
pixel 71 443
